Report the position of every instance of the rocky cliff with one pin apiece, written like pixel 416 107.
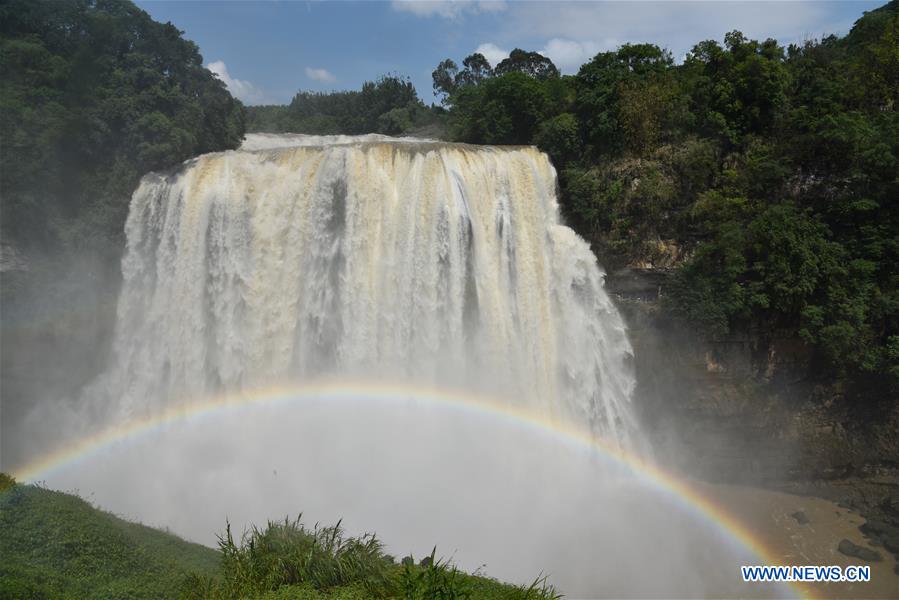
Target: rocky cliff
pixel 743 408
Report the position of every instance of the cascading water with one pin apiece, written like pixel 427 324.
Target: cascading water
pixel 420 276
pixel 304 256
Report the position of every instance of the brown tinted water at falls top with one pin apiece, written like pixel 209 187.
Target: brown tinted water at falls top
pixel 411 260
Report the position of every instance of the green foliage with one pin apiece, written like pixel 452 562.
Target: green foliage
pixel 737 89
pixel 767 177
pixel 506 109
pixel 287 553
pixel 434 580
pixel 56 545
pixel 627 206
pixel 774 269
pixel 610 82
pixel 95 94
pixel 477 70
pixel 532 64
pixel 448 78
pixel 524 100
pixel 874 49
pixel 286 560
pixel 560 138
pixel 7 482
pixel 707 290
pixel 389 105
pixel 444 78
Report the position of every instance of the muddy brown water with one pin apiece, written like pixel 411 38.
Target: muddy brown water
pixel 768 515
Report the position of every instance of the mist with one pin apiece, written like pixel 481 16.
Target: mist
pixel 489 493
pixel 412 262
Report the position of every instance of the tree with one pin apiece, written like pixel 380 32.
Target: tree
pixel 444 77
pixel 476 70
pixel 874 42
pixel 532 64
pixel 388 105
pixel 560 138
pixel 766 178
pixel 502 110
pixel 739 89
pixel 636 72
pixel 95 94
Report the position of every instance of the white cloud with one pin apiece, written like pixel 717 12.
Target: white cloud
pixel 566 54
pixel 569 55
pixel 322 75
pixel 243 90
pixel 493 53
pixel 448 9
pixel 651 21
pixel 573 32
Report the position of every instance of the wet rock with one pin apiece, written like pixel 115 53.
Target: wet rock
pixel 890 505
pixel 892 545
pixel 849 549
pixel 883 532
pixel 800 517
pixel 877 528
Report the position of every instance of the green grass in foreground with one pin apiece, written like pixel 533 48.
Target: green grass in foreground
pixel 56 545
pixel 287 560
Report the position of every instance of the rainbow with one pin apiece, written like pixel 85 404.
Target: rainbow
pixel 691 499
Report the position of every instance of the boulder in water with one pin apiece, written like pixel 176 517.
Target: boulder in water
pixel 800 517
pixel 890 505
pixel 851 549
pixel 884 533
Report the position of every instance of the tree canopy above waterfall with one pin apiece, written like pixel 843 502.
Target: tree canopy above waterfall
pixel 763 176
pixel 388 105
pixel 95 93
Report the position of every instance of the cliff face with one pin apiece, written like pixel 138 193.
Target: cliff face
pixel 743 408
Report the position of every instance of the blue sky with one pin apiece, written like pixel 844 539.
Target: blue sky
pixel 266 51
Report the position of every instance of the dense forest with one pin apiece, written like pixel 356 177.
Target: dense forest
pixel 763 180
pixel 95 94
pixel 767 176
pixel 764 176
pixel 389 105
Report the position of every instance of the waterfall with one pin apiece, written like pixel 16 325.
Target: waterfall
pixel 299 257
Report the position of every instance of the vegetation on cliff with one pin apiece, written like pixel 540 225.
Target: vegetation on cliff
pixel 766 175
pixel 95 94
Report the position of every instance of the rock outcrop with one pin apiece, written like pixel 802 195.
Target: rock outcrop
pixel 742 408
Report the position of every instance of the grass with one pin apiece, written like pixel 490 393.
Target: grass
pixel 285 554
pixel 287 560
pixel 56 545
